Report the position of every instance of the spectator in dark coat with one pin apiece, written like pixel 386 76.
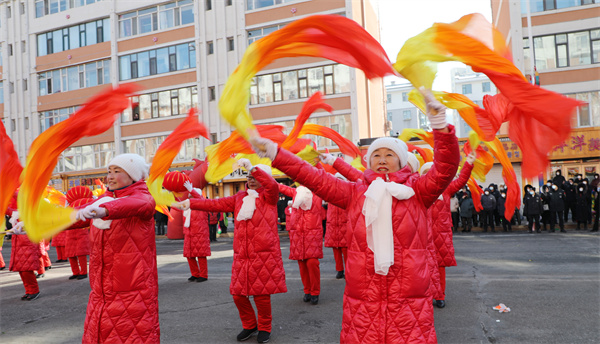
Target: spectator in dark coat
pixel 583 207
pixel 594 183
pixel 506 226
pixel 596 208
pixel 496 193
pixel 532 204
pixel 569 189
pixel 558 179
pixel 467 208
pixel 545 195
pixel 557 207
pixel 488 202
pixel 161 222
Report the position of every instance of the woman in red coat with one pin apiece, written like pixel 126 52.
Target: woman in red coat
pixel 123 303
pixel 440 221
pixel 387 298
pixel 59 241
pixel 24 258
pixel 78 237
pixel 306 238
pixel 257 265
pixel 335 235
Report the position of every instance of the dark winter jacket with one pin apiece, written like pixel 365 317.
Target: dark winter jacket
pixel 488 202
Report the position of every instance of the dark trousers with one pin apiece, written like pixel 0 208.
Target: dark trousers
pixel 467 223
pixel 213 232
pixel 530 220
pixel 488 219
pixel 455 221
pixel 569 207
pixel 553 216
pixel 506 225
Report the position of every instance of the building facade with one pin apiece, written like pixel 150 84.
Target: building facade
pixel 401 113
pixel 561 40
pixel 56 54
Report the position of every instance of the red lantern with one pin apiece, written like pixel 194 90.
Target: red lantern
pixel 77 193
pixel 174 181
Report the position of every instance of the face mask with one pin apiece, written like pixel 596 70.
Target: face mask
pixel 554 187
pixel 578 177
pixel 531 192
pixel 584 183
pixel 503 195
pixel 580 189
pixel 558 173
pixel 492 189
pixel 487 193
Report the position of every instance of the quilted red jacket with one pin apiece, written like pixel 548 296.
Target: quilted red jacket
pixel 24 255
pixel 337 227
pixel 59 239
pixel 397 307
pixel 123 303
pixel 257 265
pixel 440 219
pixel 196 240
pixel 78 239
pixel 306 231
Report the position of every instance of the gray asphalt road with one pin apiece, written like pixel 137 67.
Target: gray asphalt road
pixel 551 282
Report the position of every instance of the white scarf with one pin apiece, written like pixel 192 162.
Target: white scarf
pixel 377 210
pixel 187 214
pixel 248 206
pixel 303 199
pixel 99 223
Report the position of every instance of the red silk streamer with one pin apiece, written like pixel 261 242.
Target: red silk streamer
pixel 346 146
pixel 314 103
pixel 10 171
pixel 476 192
pixel 513 194
pixel 483 161
pixel 95 117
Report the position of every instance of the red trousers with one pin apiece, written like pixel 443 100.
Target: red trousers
pixel 2 264
pixel 200 268
pixel 310 275
pixel 263 307
pixel 78 265
pixel 30 282
pixel 44 262
pixel 442 270
pixel 60 253
pixel 340 254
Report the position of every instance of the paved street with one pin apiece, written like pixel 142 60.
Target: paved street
pixel 551 282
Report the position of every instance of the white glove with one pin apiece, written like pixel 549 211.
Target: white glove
pixel 18 228
pixel 188 186
pixel 327 159
pixel 436 111
pixel 183 205
pixel 265 148
pixel 92 212
pixel 245 163
pixel 471 158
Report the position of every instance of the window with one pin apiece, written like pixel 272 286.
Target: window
pixel 485 86
pixel 51 117
pixel 161 104
pixel 73 37
pixel 589 113
pixel 11 87
pixel 157 61
pixel 256 4
pixel 24 84
pixel 404 96
pixel 407 115
pixel 26 122
pixel 209 48
pixel 22 8
pixel 211 93
pixel 155 18
pixel 256 34
pixel 565 49
pixel 45 7
pixel 85 157
pixel 230 44
pixel 466 89
pixel 1 92
pixel 10 50
pixel 389 98
pixel 13 125
pixel 339 123
pixel 389 115
pixel 290 85
pixel 545 52
pixel 213 137
pixel 74 78
pixel 548 5
pixel 23 47
pixel 8 12
pixel 228 2
pixel 208 5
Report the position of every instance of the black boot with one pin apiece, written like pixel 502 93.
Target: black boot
pixel 314 299
pixel 245 334
pixel 339 275
pixel 306 298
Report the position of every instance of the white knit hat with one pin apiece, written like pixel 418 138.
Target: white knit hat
pixel 426 167
pixel 413 162
pixel 397 146
pixel 265 168
pixel 133 164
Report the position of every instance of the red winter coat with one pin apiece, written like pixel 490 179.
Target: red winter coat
pixel 24 255
pixel 306 232
pixel 289 219
pixel 59 239
pixel 397 307
pixel 337 227
pixel 78 241
pixel 440 219
pixel 196 241
pixel 123 303
pixel 257 265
